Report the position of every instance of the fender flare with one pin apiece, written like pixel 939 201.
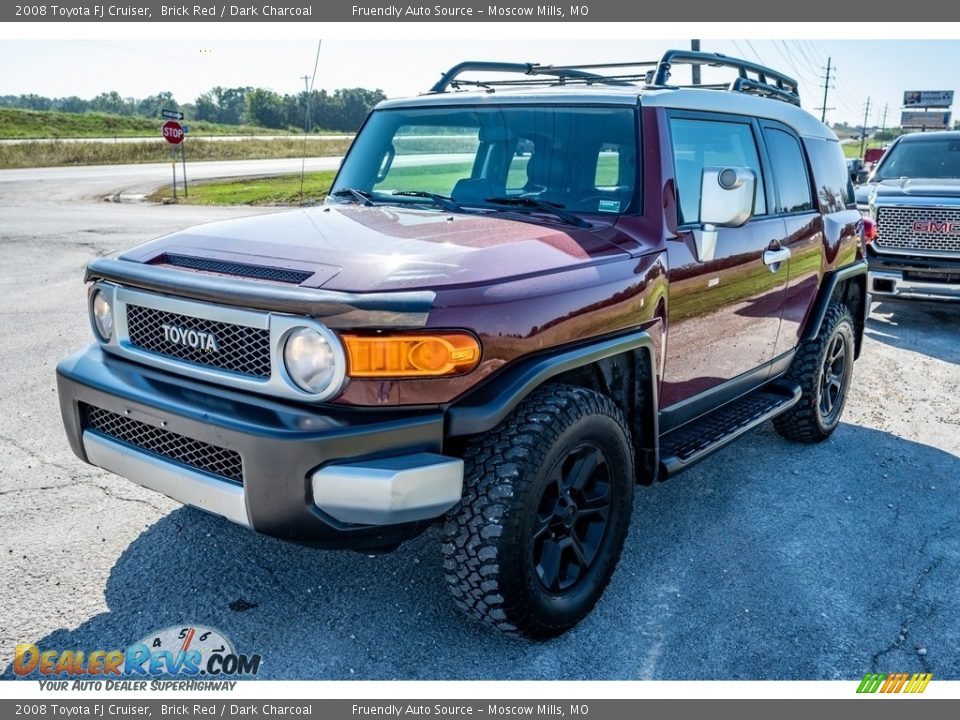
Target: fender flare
pixel 486 406
pixel 827 288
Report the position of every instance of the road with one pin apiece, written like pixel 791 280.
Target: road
pixel 158 139
pixel 770 560
pixel 81 184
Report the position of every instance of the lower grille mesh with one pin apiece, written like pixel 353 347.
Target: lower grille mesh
pixel 203 456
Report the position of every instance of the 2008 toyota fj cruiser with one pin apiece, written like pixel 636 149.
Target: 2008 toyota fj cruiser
pixel 519 301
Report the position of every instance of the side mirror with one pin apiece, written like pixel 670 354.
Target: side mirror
pixel 727 195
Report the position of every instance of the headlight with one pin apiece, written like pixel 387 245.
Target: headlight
pixel 102 315
pixel 310 360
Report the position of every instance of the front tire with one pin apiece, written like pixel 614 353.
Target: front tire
pixel 544 515
pixel 823 368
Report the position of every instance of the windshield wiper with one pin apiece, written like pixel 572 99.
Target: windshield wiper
pixel 360 196
pixel 551 208
pixel 440 200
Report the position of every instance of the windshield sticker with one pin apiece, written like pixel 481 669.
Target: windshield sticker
pixel 609 206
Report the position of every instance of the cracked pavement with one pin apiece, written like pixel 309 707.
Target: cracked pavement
pixel 771 560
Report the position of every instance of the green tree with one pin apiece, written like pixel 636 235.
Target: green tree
pixel 264 108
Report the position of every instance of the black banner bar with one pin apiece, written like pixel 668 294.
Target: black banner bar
pixel 701 11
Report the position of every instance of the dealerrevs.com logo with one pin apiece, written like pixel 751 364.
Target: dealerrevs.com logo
pixel 202 657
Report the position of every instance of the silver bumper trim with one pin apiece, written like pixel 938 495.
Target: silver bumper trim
pixel 175 481
pixel 393 490
pixel 918 290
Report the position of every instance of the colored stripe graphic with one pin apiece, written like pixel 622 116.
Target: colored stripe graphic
pixel 871 682
pixel 894 683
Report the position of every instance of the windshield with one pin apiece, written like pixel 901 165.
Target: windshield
pixel 581 159
pixel 933 158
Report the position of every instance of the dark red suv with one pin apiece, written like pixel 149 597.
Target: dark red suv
pixel 526 294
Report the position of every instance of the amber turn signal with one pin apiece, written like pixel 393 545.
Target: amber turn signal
pixel 410 355
pixel 869 230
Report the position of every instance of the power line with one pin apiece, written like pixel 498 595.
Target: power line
pixel 786 59
pixel 810 64
pixel 740 50
pixel 755 53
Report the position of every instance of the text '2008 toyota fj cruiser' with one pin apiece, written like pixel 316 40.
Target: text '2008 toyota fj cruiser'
pixel 521 299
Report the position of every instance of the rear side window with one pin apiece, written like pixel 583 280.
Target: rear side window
pixel 707 143
pixel 831 178
pixel 789 171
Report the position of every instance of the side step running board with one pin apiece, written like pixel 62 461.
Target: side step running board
pixel 689 444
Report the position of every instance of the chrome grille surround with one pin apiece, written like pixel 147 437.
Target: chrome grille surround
pixel 274 328
pixel 897 232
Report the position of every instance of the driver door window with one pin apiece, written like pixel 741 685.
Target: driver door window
pixel 707 143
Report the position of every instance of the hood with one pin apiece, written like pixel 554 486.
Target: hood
pixel 382 248
pixel 918 187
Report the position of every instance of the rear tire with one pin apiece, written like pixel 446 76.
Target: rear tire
pixel 823 368
pixel 545 511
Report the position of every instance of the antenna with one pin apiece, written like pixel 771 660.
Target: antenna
pixel 308 88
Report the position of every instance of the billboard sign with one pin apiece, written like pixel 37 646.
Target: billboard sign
pixel 925 120
pixel 928 98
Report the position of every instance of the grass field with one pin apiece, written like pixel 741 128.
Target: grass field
pixel 118 153
pixel 285 189
pixel 15 123
pixel 280 190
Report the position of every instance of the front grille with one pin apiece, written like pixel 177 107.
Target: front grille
pixel 929 229
pixel 239 348
pixel 947 278
pixel 294 277
pixel 199 455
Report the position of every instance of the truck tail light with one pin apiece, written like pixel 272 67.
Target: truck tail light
pixel 410 354
pixel 869 231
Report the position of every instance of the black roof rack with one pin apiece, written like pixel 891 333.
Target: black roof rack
pixel 751 78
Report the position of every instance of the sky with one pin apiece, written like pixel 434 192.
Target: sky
pixel 881 70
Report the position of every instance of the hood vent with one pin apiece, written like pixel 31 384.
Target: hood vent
pixel 224 267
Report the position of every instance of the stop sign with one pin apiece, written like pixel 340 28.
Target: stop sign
pixel 173 132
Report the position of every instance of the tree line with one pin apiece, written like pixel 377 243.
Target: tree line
pixel 342 110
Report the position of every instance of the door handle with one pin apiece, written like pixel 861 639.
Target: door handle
pixel 775 257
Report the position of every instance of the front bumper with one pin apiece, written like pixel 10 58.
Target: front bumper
pixel 315 475
pixel 902 277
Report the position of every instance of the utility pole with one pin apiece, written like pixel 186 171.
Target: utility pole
pixel 826 89
pixel 863 130
pixel 883 127
pixel 695 69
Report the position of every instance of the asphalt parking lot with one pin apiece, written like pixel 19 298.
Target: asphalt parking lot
pixel 771 560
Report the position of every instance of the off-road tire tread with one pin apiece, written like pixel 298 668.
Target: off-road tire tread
pixel 800 423
pixel 499 469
